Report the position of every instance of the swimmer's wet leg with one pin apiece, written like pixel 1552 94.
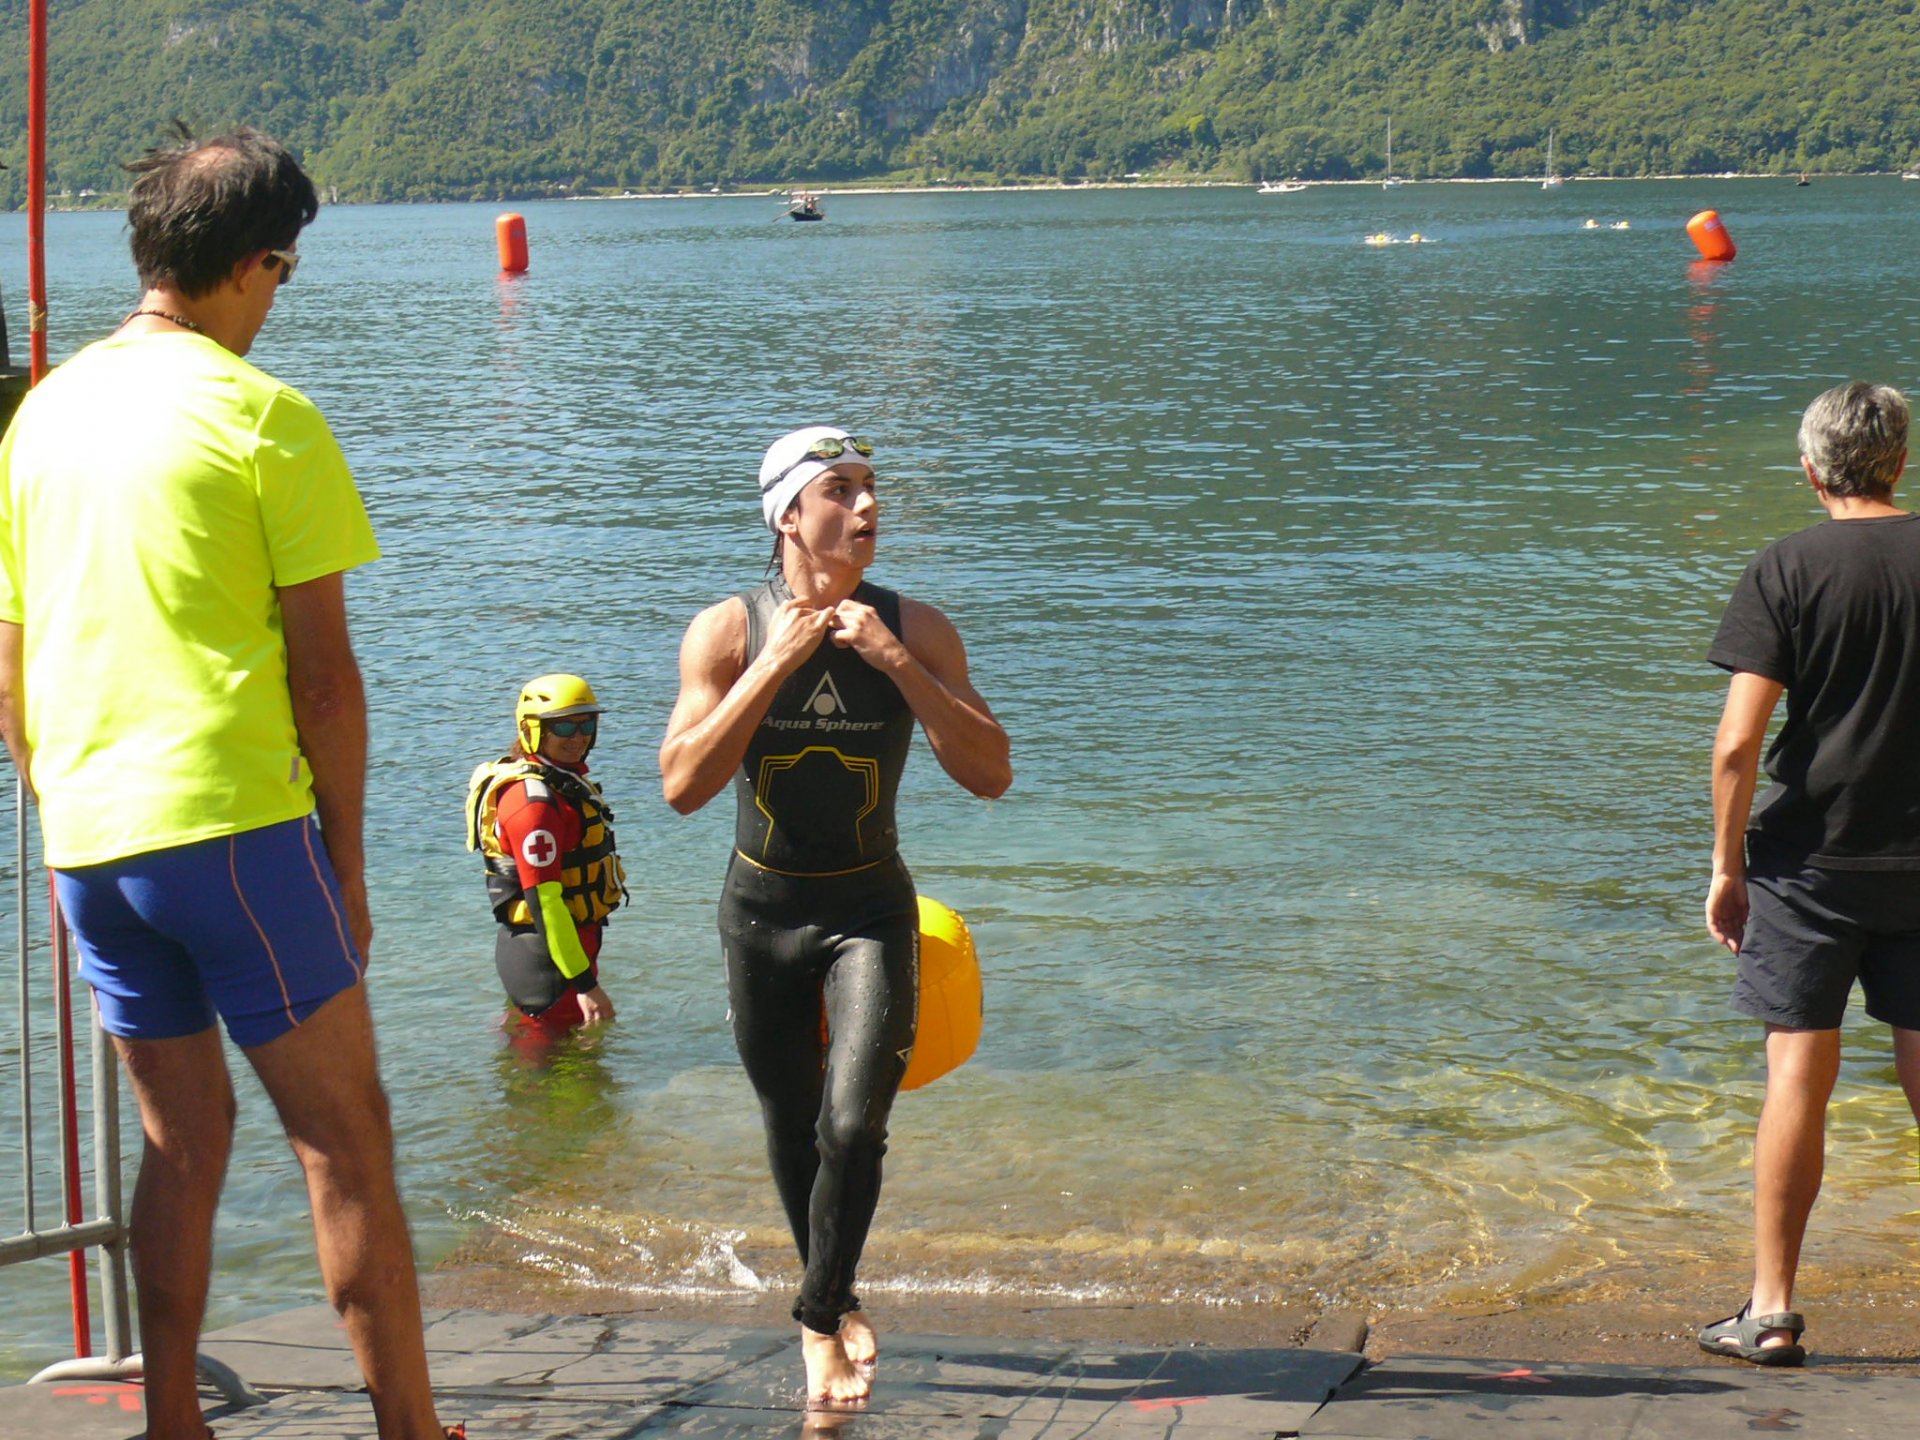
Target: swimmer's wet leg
pixel 870 996
pixel 768 989
pixel 826 1114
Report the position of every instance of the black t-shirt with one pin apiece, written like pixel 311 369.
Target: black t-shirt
pixel 1833 614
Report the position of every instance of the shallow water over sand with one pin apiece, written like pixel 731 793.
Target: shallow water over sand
pixel 1345 604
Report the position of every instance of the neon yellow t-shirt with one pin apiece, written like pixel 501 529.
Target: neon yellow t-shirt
pixel 155 491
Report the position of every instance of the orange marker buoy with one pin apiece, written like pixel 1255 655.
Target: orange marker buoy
pixel 511 232
pixel 1709 236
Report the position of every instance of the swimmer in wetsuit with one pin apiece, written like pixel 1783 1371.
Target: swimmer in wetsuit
pixel 804 693
pixel 553 875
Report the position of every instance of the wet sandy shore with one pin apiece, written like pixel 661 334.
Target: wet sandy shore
pixel 1856 1323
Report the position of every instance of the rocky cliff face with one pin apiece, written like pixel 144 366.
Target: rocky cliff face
pixel 982 44
pixel 1107 26
pixel 1509 25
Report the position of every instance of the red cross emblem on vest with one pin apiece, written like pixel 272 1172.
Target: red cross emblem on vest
pixel 540 849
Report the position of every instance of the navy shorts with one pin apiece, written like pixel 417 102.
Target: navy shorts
pixel 1811 933
pixel 248 928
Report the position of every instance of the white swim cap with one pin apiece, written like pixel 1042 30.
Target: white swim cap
pixel 800 457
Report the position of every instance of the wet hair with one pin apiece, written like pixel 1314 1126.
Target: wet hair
pixel 200 207
pixel 1855 436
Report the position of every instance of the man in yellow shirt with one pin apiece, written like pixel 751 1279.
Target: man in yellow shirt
pixel 178 685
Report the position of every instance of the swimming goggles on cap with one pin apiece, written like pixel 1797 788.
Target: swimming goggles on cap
pixel 827 447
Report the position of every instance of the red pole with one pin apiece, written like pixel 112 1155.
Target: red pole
pixel 70 1127
pixel 37 190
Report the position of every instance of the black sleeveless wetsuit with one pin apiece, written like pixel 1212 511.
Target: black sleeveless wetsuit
pixel 819 908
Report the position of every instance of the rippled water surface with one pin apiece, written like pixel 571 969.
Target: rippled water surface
pixel 1346 607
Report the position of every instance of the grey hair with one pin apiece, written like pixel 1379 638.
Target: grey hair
pixel 1855 436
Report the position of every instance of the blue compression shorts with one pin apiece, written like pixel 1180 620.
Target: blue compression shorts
pixel 248 928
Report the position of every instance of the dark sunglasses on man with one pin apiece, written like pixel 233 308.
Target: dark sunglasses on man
pixel 289 262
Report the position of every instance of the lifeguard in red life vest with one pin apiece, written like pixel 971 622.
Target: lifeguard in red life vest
pixel 553 876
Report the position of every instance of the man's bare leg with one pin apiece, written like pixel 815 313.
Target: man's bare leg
pixel 831 1377
pixel 857 1336
pixel 1906 1064
pixel 186 1115
pixel 324 1079
pixel 1789 1159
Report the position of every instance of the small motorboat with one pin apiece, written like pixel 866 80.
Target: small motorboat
pixel 805 205
pixel 1282 187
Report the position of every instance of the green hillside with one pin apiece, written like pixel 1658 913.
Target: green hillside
pixel 392 99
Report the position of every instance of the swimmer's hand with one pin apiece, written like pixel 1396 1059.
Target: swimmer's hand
pixel 1727 909
pixel 859 628
pixel 797 628
pixel 595 1007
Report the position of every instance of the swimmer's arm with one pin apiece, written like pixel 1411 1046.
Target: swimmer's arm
pixel 723 699
pixel 1751 700
pixel 330 719
pixel 968 742
pixel 13 711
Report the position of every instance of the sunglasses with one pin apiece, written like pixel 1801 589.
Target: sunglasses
pixel 289 262
pixel 567 729
pixel 830 447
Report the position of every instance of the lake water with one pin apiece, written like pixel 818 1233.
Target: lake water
pixel 1346 606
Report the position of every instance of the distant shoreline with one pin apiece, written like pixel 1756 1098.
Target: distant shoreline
pixel 825 191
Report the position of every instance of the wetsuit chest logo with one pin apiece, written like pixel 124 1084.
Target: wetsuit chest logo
pixel 825 699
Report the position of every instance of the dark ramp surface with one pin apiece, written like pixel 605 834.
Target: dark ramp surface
pixel 1427 1398
pixel 573 1357
pixel 606 1378
pixel 626 1378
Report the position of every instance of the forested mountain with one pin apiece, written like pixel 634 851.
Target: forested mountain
pixel 391 99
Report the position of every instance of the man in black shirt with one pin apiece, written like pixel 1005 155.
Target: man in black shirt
pixel 1818 888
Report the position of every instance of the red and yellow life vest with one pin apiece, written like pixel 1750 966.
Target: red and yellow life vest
pixel 593 883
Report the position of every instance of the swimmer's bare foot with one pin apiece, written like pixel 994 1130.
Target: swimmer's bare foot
pixel 831 1377
pixel 857 1335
